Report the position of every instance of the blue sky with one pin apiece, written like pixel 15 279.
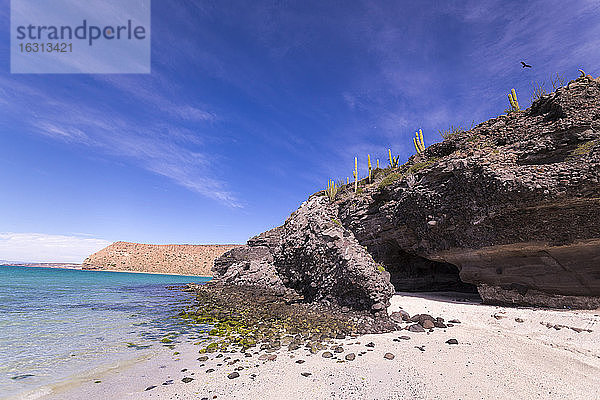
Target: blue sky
pixel 251 107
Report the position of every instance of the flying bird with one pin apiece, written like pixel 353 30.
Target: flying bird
pixel 525 65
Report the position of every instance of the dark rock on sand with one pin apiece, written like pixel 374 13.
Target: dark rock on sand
pixel 305 374
pixel 415 328
pixel 350 357
pixel 202 358
pixel 233 375
pixel 151 387
pixel 400 316
pixel 389 356
pixel 420 318
pixel 299 361
pixel 427 324
pixel 454 321
pixel 187 379
pixel 370 344
pixel 22 376
pixel 452 341
pixel 404 337
pixel 327 354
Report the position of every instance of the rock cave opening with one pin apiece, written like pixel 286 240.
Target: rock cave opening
pixel 412 273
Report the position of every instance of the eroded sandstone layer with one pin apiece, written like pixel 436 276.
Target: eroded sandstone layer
pixel 185 259
pixel 511 207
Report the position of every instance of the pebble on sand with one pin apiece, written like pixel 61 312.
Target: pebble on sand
pixel 187 379
pixel 350 357
pixel 305 374
pixel 233 375
pixel 452 341
pixel 389 356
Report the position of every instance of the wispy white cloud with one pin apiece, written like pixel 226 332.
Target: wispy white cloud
pixel 160 144
pixel 41 247
pixel 69 134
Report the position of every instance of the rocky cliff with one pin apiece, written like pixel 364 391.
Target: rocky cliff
pixel 510 208
pixel 182 259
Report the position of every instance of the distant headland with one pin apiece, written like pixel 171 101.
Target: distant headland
pixel 183 259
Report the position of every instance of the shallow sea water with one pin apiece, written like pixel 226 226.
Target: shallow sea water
pixel 57 323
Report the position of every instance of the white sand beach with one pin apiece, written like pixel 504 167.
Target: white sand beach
pixel 497 357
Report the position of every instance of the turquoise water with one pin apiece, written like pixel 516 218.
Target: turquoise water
pixel 55 323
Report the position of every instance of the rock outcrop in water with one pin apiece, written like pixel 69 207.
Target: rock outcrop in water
pixel 511 207
pixel 185 259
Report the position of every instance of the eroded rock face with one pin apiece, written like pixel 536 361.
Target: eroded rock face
pixel 511 206
pixel 314 255
pixel 321 259
pixel 514 204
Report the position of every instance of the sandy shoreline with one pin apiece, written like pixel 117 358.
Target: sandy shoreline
pixel 143 272
pixel 497 356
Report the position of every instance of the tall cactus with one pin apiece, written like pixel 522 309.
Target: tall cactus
pixel 514 103
pixel 393 160
pixel 370 168
pixel 331 190
pixel 355 174
pixel 378 163
pixel 418 142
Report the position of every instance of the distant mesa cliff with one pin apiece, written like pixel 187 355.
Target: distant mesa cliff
pixel 185 259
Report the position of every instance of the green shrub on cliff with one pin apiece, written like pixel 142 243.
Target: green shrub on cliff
pixel 388 180
pixel 455 130
pixel 421 165
pixel 584 148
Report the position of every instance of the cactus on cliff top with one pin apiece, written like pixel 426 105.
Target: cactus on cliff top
pixel 418 142
pixel 393 160
pixel 514 103
pixel 331 190
pixel 370 167
pixel 355 174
